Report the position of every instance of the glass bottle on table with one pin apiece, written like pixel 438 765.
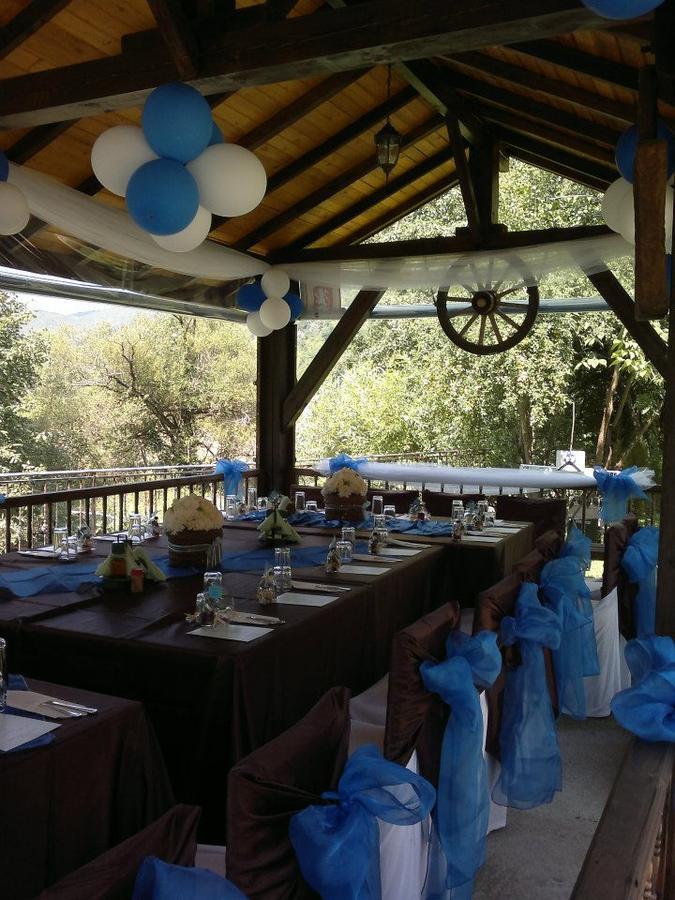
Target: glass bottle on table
pixel 135 529
pixel 231 507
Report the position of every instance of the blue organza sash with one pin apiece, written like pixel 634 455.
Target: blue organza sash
pixel 639 563
pixel 345 461
pixel 231 470
pixel 617 488
pixel 338 845
pixel 577 544
pixel 566 593
pixel 648 707
pixel 531 770
pixel 463 803
pixel 157 880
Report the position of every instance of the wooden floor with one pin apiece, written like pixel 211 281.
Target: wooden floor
pixel 539 854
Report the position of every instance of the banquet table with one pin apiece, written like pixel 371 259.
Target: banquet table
pixel 212 701
pixel 98 782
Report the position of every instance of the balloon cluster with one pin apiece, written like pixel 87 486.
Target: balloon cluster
pixel 622 9
pixel 618 203
pixel 269 302
pixel 14 211
pixel 177 170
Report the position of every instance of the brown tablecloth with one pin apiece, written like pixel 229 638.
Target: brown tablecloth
pixel 100 781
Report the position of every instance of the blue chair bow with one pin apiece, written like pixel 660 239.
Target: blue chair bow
pixel 463 802
pixel 577 544
pixel 639 563
pixel 531 767
pixel 231 470
pixel 157 880
pixel 566 593
pixel 617 488
pixel 338 845
pixel 345 461
pixel 648 707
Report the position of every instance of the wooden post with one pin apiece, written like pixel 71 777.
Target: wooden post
pixel 665 595
pixel 275 454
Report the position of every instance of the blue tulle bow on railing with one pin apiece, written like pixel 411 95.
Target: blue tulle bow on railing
pixel 648 707
pixel 531 770
pixel 345 461
pixel 639 563
pixel 157 880
pixel 617 488
pixel 577 544
pixel 231 470
pixel 463 802
pixel 338 845
pixel 3 497
pixel 566 593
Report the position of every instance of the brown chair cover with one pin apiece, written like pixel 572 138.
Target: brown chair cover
pixel 613 576
pixel 492 606
pixel 440 504
pixel 546 513
pixel 111 876
pixel 415 718
pixel 549 544
pixel 530 566
pixel 273 783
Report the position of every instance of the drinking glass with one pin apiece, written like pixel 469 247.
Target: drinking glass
pixel 215 593
pixel 378 505
pixel 382 536
pixel 60 542
pixel 349 537
pixel 231 506
pixel 380 521
pixel 311 506
pixel 390 512
pixel 135 529
pixel 299 501
pixel 262 503
pixel 252 498
pixel 4 675
pixel 283 577
pixel 344 549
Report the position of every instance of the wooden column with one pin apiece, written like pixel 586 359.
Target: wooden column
pixel 484 165
pixel 275 444
pixel 665 597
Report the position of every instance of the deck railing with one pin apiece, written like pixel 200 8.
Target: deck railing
pixel 631 856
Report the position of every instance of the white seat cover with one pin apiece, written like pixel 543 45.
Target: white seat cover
pixel 614 675
pixel 494 767
pixel 371 705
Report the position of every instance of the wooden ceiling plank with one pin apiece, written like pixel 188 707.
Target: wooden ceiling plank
pixel 177 34
pixel 27 22
pixel 376 31
pixel 597 67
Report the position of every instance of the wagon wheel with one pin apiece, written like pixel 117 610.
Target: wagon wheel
pixel 501 311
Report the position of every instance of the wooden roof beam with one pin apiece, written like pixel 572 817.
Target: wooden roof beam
pixel 375 31
pixel 31 18
pixel 577 61
pixel 333 187
pixel 178 36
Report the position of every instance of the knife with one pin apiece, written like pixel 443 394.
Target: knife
pixel 71 706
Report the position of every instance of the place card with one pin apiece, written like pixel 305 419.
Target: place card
pixel 393 551
pixel 372 557
pixel 228 632
pixel 32 702
pixel 482 538
pixel 292 598
pixel 317 586
pixel 18 730
pixel 363 570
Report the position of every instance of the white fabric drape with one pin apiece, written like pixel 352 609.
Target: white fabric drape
pixel 614 675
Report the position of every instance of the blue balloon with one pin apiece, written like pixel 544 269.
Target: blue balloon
pixel 627 145
pixel 4 167
pixel 296 305
pixel 162 196
pixel 217 136
pixel 622 9
pixel 250 297
pixel 177 122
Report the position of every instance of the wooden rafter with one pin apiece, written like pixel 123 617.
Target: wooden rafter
pixel 31 18
pixel 567 158
pixel 320 367
pixel 598 67
pixel 546 162
pixel 333 187
pixel 35 140
pixel 300 47
pixel 178 36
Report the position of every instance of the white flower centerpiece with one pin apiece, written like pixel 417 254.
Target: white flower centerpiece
pixel 194 529
pixel 345 494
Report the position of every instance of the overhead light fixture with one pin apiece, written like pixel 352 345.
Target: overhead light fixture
pixel 388 140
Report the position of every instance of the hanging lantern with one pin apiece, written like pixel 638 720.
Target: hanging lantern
pixel 388 140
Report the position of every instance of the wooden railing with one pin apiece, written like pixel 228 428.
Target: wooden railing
pixel 631 856
pixel 29 519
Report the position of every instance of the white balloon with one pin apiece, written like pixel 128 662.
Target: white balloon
pixel 231 180
pixel 14 211
pixel 256 327
pixel 275 283
pixel 116 155
pixel 612 199
pixel 191 237
pixel 625 216
pixel 275 313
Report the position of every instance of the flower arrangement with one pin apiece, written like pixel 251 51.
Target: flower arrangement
pixel 192 513
pixel 345 483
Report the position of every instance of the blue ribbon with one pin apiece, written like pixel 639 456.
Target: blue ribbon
pixel 463 802
pixel 345 461
pixel 231 470
pixel 577 544
pixel 157 880
pixel 566 593
pixel 337 845
pixel 18 683
pixel 3 497
pixel 648 707
pixel 531 767
pixel 639 563
pixel 617 488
